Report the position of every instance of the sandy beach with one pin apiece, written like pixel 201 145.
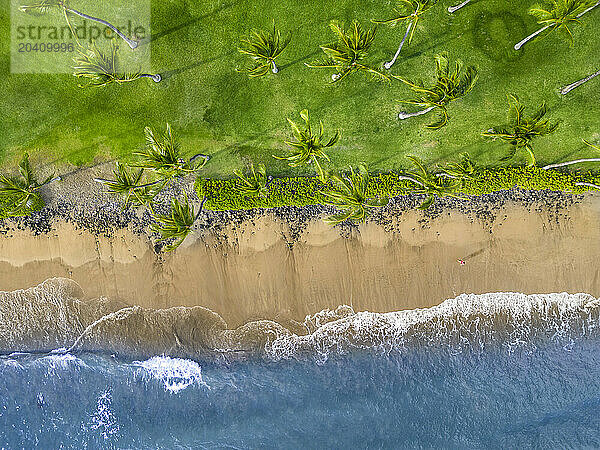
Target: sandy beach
pixel 258 269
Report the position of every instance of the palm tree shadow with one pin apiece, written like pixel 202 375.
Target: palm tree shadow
pixel 193 21
pixel 299 60
pixel 171 73
pixel 437 40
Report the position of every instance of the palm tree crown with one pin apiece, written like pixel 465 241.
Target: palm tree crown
pixel 558 15
pixel 450 85
pixel 128 184
pixel 163 156
pixel 347 54
pixel 101 69
pixel 521 130
pixel 350 195
pixel 462 170
pixel 176 225
pixel 309 146
pixel 409 12
pixel 263 47
pixel 429 183
pixel 255 183
pixel 23 189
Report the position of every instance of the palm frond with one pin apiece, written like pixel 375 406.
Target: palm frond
pixel 452 83
pixel 557 15
pixel 408 11
pixel 309 146
pixel 350 194
pixel 430 183
pixel 163 156
pixel 41 6
pixel 263 47
pixel 128 184
pixel 347 55
pixel 521 130
pixel 254 183
pixel 101 68
pixel 23 189
pixel 176 226
pixel 463 169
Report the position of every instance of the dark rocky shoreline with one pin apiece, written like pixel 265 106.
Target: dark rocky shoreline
pixel 104 219
pixel 83 202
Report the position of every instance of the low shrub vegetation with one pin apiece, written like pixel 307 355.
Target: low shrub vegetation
pixel 222 195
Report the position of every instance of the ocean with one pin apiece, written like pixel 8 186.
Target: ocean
pixel 503 370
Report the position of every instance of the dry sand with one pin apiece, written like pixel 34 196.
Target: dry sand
pixel 258 273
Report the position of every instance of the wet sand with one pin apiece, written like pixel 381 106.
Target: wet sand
pixel 258 272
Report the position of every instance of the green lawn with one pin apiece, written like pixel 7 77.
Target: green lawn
pixel 216 110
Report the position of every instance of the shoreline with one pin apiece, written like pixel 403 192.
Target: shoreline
pixel 285 264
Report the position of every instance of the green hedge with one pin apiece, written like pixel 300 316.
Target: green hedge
pixel 302 191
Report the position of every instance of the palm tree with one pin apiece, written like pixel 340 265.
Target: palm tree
pixel 162 155
pixel 409 12
pixel 462 170
pixel 263 47
pixel 128 184
pixel 102 69
pixel 24 189
pixel 429 183
pixel 576 161
pixel 557 16
pixel 450 85
pixel 253 184
pixel 572 86
pixel 43 6
pixel 347 54
pixel 177 225
pixel 350 195
pixel 453 9
pixel 309 147
pixel 521 131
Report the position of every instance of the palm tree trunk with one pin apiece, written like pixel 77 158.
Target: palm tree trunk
pixel 388 65
pixel 157 78
pixel 404 115
pixel 568 163
pixel 528 38
pixel 588 10
pixel 275 69
pixel 453 9
pixel 518 45
pixel 201 208
pixel 588 184
pixel 131 43
pixel 404 177
pixel 572 86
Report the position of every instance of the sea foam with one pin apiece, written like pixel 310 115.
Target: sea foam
pixel 174 373
pixel 467 321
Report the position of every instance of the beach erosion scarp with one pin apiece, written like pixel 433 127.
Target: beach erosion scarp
pixel 262 277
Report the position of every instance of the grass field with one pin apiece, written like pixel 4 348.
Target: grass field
pixel 216 110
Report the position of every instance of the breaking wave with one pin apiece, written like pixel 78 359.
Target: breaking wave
pixel 175 374
pixel 54 315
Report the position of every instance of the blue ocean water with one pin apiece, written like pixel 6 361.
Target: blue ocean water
pixel 542 395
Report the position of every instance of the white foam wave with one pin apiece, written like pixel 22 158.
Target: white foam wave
pixel 59 363
pixel 174 373
pixel 511 319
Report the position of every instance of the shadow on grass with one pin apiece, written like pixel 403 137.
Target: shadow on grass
pixel 171 73
pixel 579 152
pixel 189 23
pixel 299 60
